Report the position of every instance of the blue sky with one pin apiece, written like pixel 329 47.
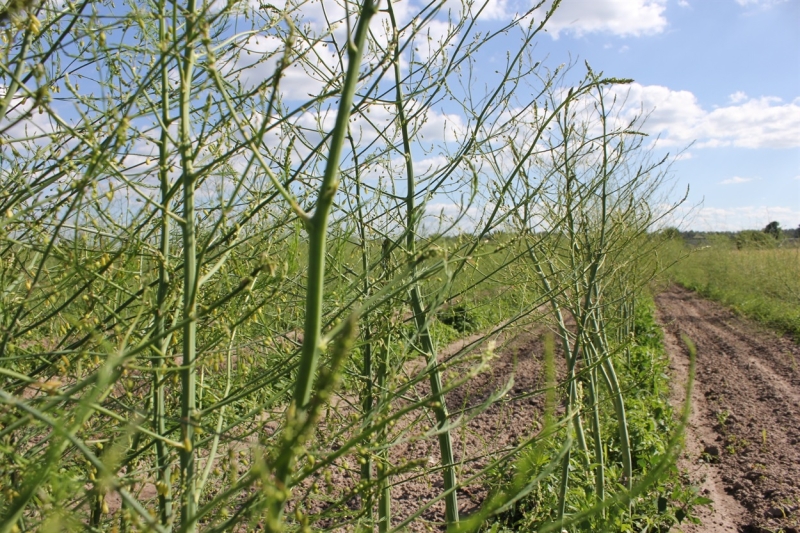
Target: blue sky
pixel 720 80
pixel 723 74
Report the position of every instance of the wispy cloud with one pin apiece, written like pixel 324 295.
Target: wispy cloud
pixel 759 3
pixel 710 218
pixel 735 180
pixel 738 97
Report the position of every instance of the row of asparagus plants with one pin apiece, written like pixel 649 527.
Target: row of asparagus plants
pixel 217 292
pixel 594 270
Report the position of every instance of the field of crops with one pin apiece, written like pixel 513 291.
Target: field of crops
pixel 227 309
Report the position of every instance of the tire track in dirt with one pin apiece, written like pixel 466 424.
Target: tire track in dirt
pixel 743 440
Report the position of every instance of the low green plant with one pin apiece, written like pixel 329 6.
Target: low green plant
pixel 458 317
pixel 652 422
pixel 756 239
pixel 734 444
pixel 773 229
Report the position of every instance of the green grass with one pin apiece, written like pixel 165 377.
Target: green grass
pixel 760 283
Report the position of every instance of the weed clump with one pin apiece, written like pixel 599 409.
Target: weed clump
pixel 459 318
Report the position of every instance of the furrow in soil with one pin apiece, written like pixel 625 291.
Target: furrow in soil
pixel 743 443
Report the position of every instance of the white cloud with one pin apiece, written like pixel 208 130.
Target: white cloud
pixel 375 122
pixel 23 120
pixel 316 63
pixel 738 97
pixel 261 55
pixel 442 127
pixel 451 217
pixel 429 165
pixel 619 17
pixel 683 3
pixel 429 125
pixel 433 37
pixel 677 116
pixel 484 9
pixel 735 180
pixel 494 10
pixel 759 3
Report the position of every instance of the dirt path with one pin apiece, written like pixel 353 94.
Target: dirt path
pixel 743 443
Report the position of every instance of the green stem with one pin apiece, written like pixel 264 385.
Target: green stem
pixel 610 376
pixel 562 489
pixel 420 316
pixel 317 227
pixel 570 354
pixel 163 483
pixel 368 395
pixel 599 459
pixel 383 479
pixel 188 370
pixel 318 223
pixel 598 325
pixel 212 454
pixel 381 377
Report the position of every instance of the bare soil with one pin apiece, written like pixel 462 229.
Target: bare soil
pixel 484 434
pixel 743 440
pixel 481 434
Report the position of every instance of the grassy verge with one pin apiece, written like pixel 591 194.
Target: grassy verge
pixel 760 283
pixel 643 373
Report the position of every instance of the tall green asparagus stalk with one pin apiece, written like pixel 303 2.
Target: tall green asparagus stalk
pixel 188 364
pixel 163 483
pixel 317 226
pixel 417 307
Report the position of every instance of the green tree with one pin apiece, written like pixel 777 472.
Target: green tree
pixel 671 234
pixel 773 229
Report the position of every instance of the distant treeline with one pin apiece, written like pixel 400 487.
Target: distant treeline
pixel 771 235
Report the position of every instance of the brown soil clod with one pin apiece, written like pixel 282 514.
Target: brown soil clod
pixel 741 443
